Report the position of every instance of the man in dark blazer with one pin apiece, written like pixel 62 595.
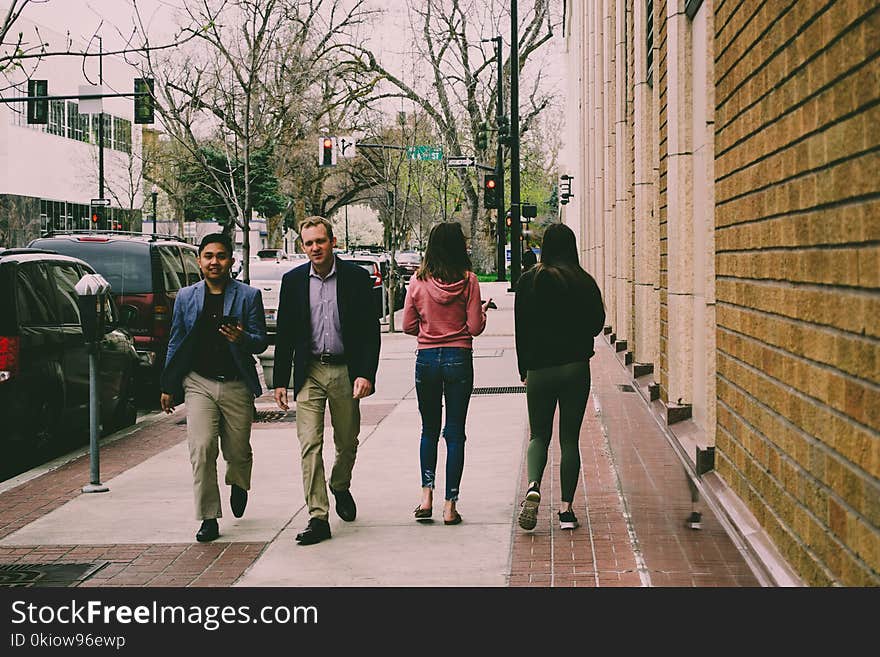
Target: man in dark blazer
pixel 328 330
pixel 217 326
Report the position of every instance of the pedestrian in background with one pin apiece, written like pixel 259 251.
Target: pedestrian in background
pixel 328 331
pixel 558 311
pixel 444 309
pixel 217 326
pixel 529 258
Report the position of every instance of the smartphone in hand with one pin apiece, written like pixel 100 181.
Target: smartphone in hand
pixel 230 320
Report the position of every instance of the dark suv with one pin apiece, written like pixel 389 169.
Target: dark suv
pixel 145 272
pixel 44 360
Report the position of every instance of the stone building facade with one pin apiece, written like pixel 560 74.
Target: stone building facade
pixel 725 159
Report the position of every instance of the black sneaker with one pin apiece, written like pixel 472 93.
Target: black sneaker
pixel 567 520
pixel 345 506
pixel 528 515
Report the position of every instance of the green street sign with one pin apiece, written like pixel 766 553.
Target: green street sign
pixel 424 152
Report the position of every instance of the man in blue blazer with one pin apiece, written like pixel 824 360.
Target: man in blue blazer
pixel 328 330
pixel 217 326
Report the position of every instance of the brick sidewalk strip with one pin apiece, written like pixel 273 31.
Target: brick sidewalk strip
pixel 632 503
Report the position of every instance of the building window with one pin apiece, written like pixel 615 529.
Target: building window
pixel 56 118
pixel 77 124
pixel 649 41
pixel 108 129
pixel 122 134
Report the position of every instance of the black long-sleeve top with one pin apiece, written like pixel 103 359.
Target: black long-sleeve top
pixel 557 314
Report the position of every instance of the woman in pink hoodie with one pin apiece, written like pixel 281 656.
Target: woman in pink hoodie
pixel 443 308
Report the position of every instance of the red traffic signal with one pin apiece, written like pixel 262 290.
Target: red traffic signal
pixel 94 217
pixel 509 220
pixel 490 191
pixel 326 152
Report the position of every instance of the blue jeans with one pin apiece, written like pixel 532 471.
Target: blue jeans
pixel 444 372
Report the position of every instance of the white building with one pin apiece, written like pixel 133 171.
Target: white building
pixel 49 173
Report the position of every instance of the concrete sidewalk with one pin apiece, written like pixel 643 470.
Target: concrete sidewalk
pixel 141 532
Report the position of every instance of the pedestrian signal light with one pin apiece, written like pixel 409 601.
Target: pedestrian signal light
pixel 490 191
pixel 95 217
pixel 326 152
pixel 509 220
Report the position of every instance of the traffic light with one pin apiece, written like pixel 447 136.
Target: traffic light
pixel 509 220
pixel 96 218
pixel 565 189
pixel 38 110
pixel 504 130
pixel 482 137
pixel 490 191
pixel 326 152
pixel 144 108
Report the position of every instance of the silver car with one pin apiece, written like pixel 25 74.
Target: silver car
pixel 266 276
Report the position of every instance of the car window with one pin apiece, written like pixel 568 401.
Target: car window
pixel 65 277
pixel 259 271
pixel 125 264
pixel 34 296
pixel 191 266
pixel 173 275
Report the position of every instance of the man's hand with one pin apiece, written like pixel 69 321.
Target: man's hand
pixel 232 332
pixel 281 398
pixel 361 388
pixel 167 402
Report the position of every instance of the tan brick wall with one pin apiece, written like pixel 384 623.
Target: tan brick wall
pixel 660 78
pixel 797 155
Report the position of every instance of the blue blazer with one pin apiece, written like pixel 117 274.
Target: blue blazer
pixel 361 337
pixel 239 300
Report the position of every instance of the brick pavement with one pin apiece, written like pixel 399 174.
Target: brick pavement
pixel 632 502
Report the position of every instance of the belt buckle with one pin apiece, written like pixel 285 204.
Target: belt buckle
pixel 326 359
pixel 221 378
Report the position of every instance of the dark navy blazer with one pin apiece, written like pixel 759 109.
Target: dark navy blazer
pixel 357 316
pixel 239 300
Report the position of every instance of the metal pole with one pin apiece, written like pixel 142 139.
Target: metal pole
pixel 347 243
pixel 154 212
pixel 101 130
pixel 501 228
pixel 515 228
pixel 94 459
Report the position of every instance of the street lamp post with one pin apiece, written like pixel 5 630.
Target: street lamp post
pixel 154 192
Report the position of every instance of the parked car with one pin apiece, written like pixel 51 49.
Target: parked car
pixel 377 267
pixel 272 254
pixel 409 262
pixel 145 272
pixel 44 358
pixel 267 277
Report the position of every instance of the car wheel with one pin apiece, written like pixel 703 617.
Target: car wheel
pixel 125 413
pixel 45 430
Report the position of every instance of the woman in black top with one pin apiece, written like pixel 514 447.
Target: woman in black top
pixel 558 311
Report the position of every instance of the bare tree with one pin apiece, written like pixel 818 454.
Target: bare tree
pixel 462 80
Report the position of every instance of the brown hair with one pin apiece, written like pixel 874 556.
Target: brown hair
pixel 446 257
pixel 316 220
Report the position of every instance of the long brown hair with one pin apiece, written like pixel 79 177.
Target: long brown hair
pixel 446 257
pixel 559 259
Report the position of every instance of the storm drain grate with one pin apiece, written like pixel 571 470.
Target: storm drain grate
pixel 275 416
pixel 46 574
pixel 499 390
pixel 625 387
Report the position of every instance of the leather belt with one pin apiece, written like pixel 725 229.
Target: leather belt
pixel 330 359
pixel 223 378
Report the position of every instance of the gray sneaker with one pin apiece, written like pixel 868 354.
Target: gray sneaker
pixel 528 515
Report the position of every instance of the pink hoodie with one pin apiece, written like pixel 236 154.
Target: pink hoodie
pixel 444 314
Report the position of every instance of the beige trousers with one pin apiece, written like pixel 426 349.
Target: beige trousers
pixel 217 410
pixel 326 384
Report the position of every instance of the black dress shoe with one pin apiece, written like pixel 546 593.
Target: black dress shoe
pixel 208 531
pixel 345 506
pixel 238 501
pixel 318 530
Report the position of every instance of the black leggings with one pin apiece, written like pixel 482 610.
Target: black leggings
pixel 569 386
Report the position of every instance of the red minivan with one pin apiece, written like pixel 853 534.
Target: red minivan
pixel 145 272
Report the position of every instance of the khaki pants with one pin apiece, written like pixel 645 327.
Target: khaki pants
pixel 223 410
pixel 326 383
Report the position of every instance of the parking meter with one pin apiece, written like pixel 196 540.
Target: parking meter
pixel 92 291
